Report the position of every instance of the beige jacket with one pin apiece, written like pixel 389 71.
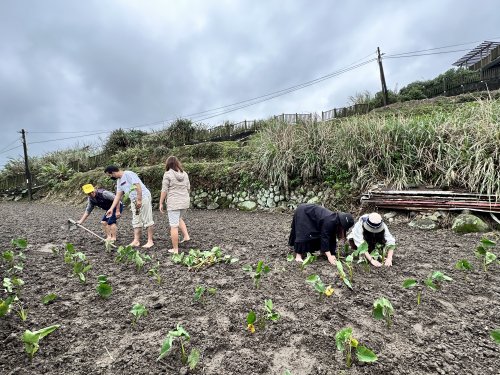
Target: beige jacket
pixel 177 187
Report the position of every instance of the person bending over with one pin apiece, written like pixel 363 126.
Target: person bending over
pixel 317 228
pixel 372 229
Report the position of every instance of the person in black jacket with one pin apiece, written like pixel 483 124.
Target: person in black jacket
pixel 317 228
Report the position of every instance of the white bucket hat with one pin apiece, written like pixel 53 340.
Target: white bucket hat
pixel 373 223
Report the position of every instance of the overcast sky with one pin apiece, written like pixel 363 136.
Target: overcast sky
pixel 68 65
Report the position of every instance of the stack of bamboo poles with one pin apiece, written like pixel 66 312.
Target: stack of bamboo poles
pixel 431 200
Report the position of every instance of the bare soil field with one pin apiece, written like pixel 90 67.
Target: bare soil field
pixel 448 333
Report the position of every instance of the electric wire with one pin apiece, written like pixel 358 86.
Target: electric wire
pixel 10 144
pixel 243 104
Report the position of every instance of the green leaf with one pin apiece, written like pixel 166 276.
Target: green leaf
pixel 266 269
pixel 312 279
pixel 49 298
pixel 180 331
pixel 342 337
pixel 340 269
pixel 102 279
pixel 349 258
pixel 268 304
pixel 198 292
pixel 347 282
pixel 45 331
pixel 165 347
pixel 409 283
pixel 290 258
pixel 365 355
pixel 495 335
pixel 463 265
pixel 20 243
pixel 7 284
pixel 378 312
pixel 489 258
pixel 8 256
pixel 251 317
pixel 439 276
pixel 430 284
pixel 487 243
pixel 5 305
pixel 104 290
pixel 247 268
pixel 193 358
pixel 260 264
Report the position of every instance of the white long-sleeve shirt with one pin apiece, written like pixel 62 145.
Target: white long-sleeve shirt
pixel 357 233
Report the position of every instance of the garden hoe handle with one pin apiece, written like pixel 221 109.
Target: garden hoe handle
pixel 71 221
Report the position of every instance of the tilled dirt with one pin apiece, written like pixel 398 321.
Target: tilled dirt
pixel 447 333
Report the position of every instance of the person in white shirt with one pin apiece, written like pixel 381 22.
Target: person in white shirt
pixel 371 228
pixel 127 182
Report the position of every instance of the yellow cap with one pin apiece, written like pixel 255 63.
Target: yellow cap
pixel 89 188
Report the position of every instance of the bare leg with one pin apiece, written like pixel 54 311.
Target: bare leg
pixel 174 236
pixel 137 237
pixel 298 257
pixel 104 226
pixel 184 231
pixel 150 242
pixel 112 232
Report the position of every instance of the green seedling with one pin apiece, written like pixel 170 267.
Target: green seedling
pixel 433 281
pixel 196 260
pixel 130 255
pixel 55 250
pixel 80 266
pixel 138 311
pixel 69 250
pixel 198 293
pixel 270 314
pixel 290 258
pixel 260 269
pixel 319 286
pixel 103 287
pixel 309 259
pixel 287 372
pixel 342 274
pixel 495 335
pixel 8 257
pixel 383 310
pixel 49 298
pixel 346 343
pixel 359 253
pixel 31 340
pixel 22 312
pixel 350 269
pixel 108 246
pixel 183 337
pixel 13 285
pixel 5 305
pixel 155 272
pixel 19 243
pixel 463 265
pixel 482 251
pixel 260 321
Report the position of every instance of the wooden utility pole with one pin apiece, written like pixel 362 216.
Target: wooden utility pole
pixel 26 164
pixel 385 95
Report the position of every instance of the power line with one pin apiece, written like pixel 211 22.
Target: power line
pixel 424 54
pixel 10 149
pixel 443 47
pixel 239 105
pixel 10 144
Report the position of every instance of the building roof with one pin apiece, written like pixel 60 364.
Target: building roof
pixel 477 54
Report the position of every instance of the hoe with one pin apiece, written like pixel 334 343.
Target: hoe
pixel 73 225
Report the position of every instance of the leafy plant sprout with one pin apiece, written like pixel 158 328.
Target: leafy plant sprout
pixel 309 260
pixel 196 260
pixel 433 281
pixel 183 337
pixel 346 343
pixel 154 271
pixel 319 286
pixel 342 275
pixel 31 340
pixel 260 269
pixel 138 311
pixel 482 251
pixel 104 289
pixel 383 310
pixel 49 298
pixel 260 321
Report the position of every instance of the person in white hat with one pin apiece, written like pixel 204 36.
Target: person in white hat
pixel 371 228
pixel 102 199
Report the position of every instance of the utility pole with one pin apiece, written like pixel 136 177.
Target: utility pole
pixel 385 96
pixel 26 164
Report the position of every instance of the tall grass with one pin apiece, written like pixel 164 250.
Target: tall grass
pixel 459 148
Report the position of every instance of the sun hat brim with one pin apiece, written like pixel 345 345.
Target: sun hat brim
pixel 371 229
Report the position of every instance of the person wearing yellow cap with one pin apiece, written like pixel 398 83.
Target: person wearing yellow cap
pixel 370 228
pixel 103 199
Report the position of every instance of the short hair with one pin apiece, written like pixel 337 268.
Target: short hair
pixel 111 168
pixel 173 163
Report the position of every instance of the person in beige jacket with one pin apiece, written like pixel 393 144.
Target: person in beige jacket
pixel 175 190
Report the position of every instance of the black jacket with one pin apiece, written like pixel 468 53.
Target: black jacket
pixel 312 222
